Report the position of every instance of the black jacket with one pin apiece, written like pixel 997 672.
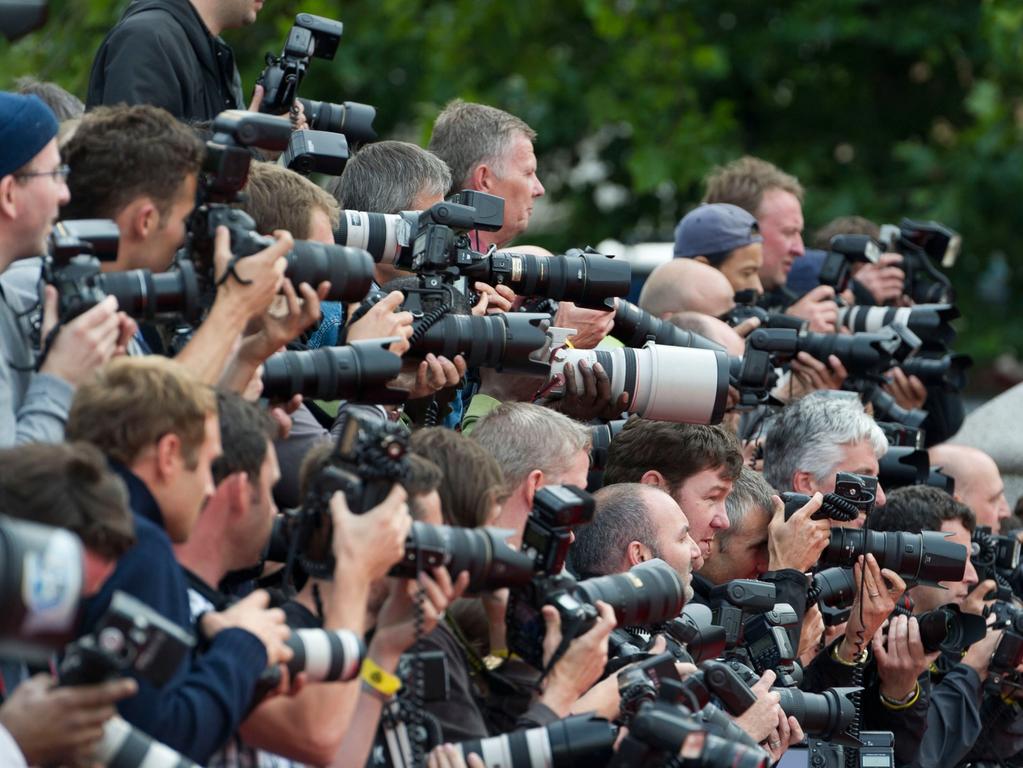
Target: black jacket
pixel 161 53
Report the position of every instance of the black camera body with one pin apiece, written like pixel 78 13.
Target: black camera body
pixel 844 251
pixel 921 243
pixel 316 152
pixel 733 600
pixel 311 36
pixel 997 558
pixel 557 509
pixel 368 459
pixel 131 637
pixel 854 495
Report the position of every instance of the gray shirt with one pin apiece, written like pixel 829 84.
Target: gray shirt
pixel 33 406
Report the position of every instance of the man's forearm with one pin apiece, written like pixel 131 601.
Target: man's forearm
pixel 212 345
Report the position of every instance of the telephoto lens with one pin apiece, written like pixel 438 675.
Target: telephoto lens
pixel 919 558
pixel 351 118
pixel 483 552
pixel 825 715
pixel 931 322
pixel 357 372
pixel 349 270
pixel 835 587
pixel 326 655
pixel 585 278
pixel 634 327
pixel 648 593
pixel 125 746
pixel 382 235
pixel 580 741
pixel 677 384
pixel 861 353
pixel 948 371
pixel 674 731
pixel 146 295
pixel 948 629
pixel 509 341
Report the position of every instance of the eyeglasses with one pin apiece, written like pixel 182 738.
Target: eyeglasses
pixel 60 173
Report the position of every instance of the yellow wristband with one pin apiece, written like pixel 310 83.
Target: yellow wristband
pixel 899 705
pixel 379 679
pixel 569 344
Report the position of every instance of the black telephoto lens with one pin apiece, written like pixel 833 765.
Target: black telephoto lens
pixel 823 715
pixel 835 587
pixel 671 730
pixel 948 371
pixel 927 557
pixel 580 741
pixel 146 295
pixel 587 279
pixel 357 372
pixel 634 327
pixel 351 118
pixel 503 341
pixel 649 593
pixel 349 270
pixel 947 628
pixel 482 552
pixel 902 466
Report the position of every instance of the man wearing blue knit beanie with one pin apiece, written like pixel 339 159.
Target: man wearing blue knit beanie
pixel 35 397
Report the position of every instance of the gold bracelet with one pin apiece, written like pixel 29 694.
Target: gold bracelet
pixel 906 703
pixel 378 678
pixel 859 659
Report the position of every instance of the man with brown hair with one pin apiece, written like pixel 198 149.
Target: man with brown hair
pixel 158 428
pixel 776 199
pixel 694 463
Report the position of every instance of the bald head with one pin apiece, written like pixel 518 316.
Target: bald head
pixel 685 284
pixel 712 328
pixel 978 482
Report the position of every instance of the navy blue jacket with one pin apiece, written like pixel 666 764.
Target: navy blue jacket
pixel 209 695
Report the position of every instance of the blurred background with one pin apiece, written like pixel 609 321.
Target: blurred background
pixel 882 109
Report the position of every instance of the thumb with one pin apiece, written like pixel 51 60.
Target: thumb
pixel 747 326
pixel 821 292
pixel 258 599
pixel 391 301
pixel 257 98
pixel 221 250
pixel 778 506
pixel 50 316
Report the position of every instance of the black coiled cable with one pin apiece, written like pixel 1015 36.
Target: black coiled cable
pixel 839 508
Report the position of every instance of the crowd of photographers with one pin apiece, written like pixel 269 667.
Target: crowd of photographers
pixel 293 473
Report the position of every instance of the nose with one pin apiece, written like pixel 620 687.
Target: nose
pixel 881 499
pixel 757 285
pixel 538 190
pixel 64 197
pixel 797 246
pixel 720 521
pixel 970 575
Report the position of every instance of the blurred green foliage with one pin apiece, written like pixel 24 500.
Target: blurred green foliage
pixel 881 108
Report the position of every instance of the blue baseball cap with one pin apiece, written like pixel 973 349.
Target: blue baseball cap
pixel 715 228
pixel 26 126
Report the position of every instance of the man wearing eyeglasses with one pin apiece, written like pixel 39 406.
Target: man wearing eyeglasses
pixel 36 388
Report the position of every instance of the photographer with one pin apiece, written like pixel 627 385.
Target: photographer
pixel 158 427
pixel 35 393
pixel 169 53
pixel 67 485
pixel 978 483
pixel 816 437
pixel 511 433
pixel 725 237
pixel 231 535
pixel 490 150
pixel 776 199
pixel 682 285
pixel 964 719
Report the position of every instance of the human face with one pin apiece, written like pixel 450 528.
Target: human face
pixel 780 217
pixel 239 13
pixel 743 555
pixel 984 492
pixel 169 235
pixel 702 499
pixel 859 459
pixel 742 268
pixel 514 178
pixel 38 199
pixel 673 545
pixel 254 531
pixel 927 598
pixel 191 486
